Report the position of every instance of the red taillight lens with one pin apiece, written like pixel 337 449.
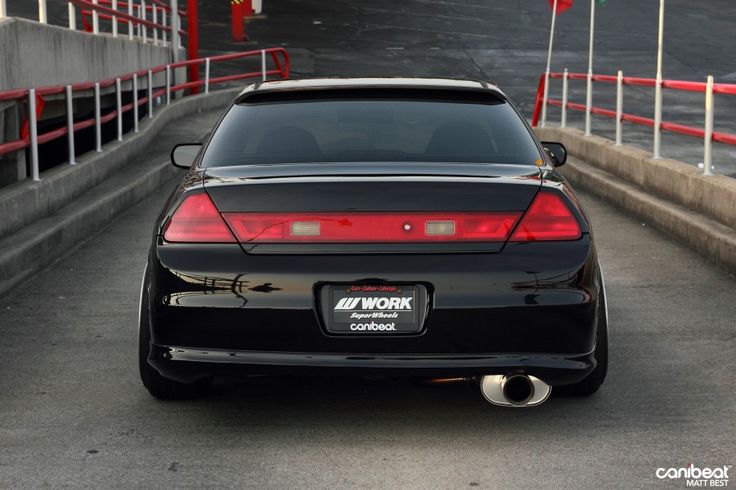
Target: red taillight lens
pixel 197 220
pixel 339 227
pixel 548 218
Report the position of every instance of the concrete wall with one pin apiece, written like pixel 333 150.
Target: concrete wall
pixel 35 55
pixel 683 184
pixel 677 198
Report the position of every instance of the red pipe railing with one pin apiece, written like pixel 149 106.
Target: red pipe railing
pixel 678 85
pixel 279 56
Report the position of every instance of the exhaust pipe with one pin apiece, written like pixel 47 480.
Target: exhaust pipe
pixel 514 390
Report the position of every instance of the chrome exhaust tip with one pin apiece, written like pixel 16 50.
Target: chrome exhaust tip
pixel 514 390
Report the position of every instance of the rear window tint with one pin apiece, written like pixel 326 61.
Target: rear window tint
pixel 371 130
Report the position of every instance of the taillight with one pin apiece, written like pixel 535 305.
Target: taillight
pixel 341 227
pixel 548 218
pixel 197 220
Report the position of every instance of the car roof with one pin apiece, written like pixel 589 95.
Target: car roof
pixel 315 84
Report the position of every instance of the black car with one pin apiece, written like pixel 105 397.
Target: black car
pixel 380 226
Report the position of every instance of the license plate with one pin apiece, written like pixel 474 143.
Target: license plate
pixel 374 309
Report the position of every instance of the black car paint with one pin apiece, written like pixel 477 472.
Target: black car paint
pixel 513 307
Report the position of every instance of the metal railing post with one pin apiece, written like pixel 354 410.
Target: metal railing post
pixel 135 102
pixel 119 103
pixel 206 75
pixel 175 45
pixel 150 94
pixel 70 125
pixel 565 94
pixel 95 19
pixel 42 13
pixel 658 117
pixel 114 19
pixel 98 121
pixel 33 127
pixel 72 12
pixel 708 150
pixel 619 106
pixel 3 9
pixel 263 64
pixel 545 96
pixel 168 84
pixel 588 103
pixel 155 21
pixel 130 22
pixel 142 11
pixel 163 32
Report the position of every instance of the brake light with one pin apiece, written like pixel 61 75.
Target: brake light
pixel 340 227
pixel 197 220
pixel 548 218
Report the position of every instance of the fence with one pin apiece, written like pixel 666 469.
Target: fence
pixel 35 99
pixel 707 133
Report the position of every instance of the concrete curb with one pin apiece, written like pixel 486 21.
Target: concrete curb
pixel 678 182
pixel 705 235
pixel 45 241
pixel 25 202
pixel 50 237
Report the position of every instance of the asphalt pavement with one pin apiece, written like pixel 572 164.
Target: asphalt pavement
pixel 74 413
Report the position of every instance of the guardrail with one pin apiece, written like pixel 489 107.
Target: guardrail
pixel 134 14
pixel 35 101
pixel 707 133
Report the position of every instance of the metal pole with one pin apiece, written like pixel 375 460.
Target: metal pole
pixel 163 22
pixel 130 23
pixel 708 151
pixel 3 9
pixel 115 19
pixel 174 31
pixel 193 43
pixel 42 14
pixel 142 11
pixel 589 85
pixel 155 21
pixel 549 63
pixel 565 90
pixel 119 101
pixel 98 122
pixel 168 84
pixel 658 87
pixel 150 94
pixel 95 19
pixel 206 75
pixel 619 106
pixel 135 102
pixel 33 126
pixel 263 64
pixel 72 16
pixel 70 124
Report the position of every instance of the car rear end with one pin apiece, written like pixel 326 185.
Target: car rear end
pixel 432 265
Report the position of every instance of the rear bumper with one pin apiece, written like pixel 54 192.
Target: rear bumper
pixel 188 365
pixel 531 308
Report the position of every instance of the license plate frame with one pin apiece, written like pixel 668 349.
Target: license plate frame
pixel 388 309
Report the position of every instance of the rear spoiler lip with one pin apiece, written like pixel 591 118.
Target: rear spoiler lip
pixel 485 89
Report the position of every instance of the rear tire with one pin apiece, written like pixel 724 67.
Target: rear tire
pixel 157 385
pixel 594 380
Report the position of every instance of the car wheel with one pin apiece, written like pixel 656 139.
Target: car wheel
pixel 160 386
pixel 594 380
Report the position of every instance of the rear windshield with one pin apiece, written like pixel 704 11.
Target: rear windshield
pixel 301 131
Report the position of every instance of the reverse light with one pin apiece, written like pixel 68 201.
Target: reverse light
pixel 548 218
pixel 197 220
pixel 366 227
